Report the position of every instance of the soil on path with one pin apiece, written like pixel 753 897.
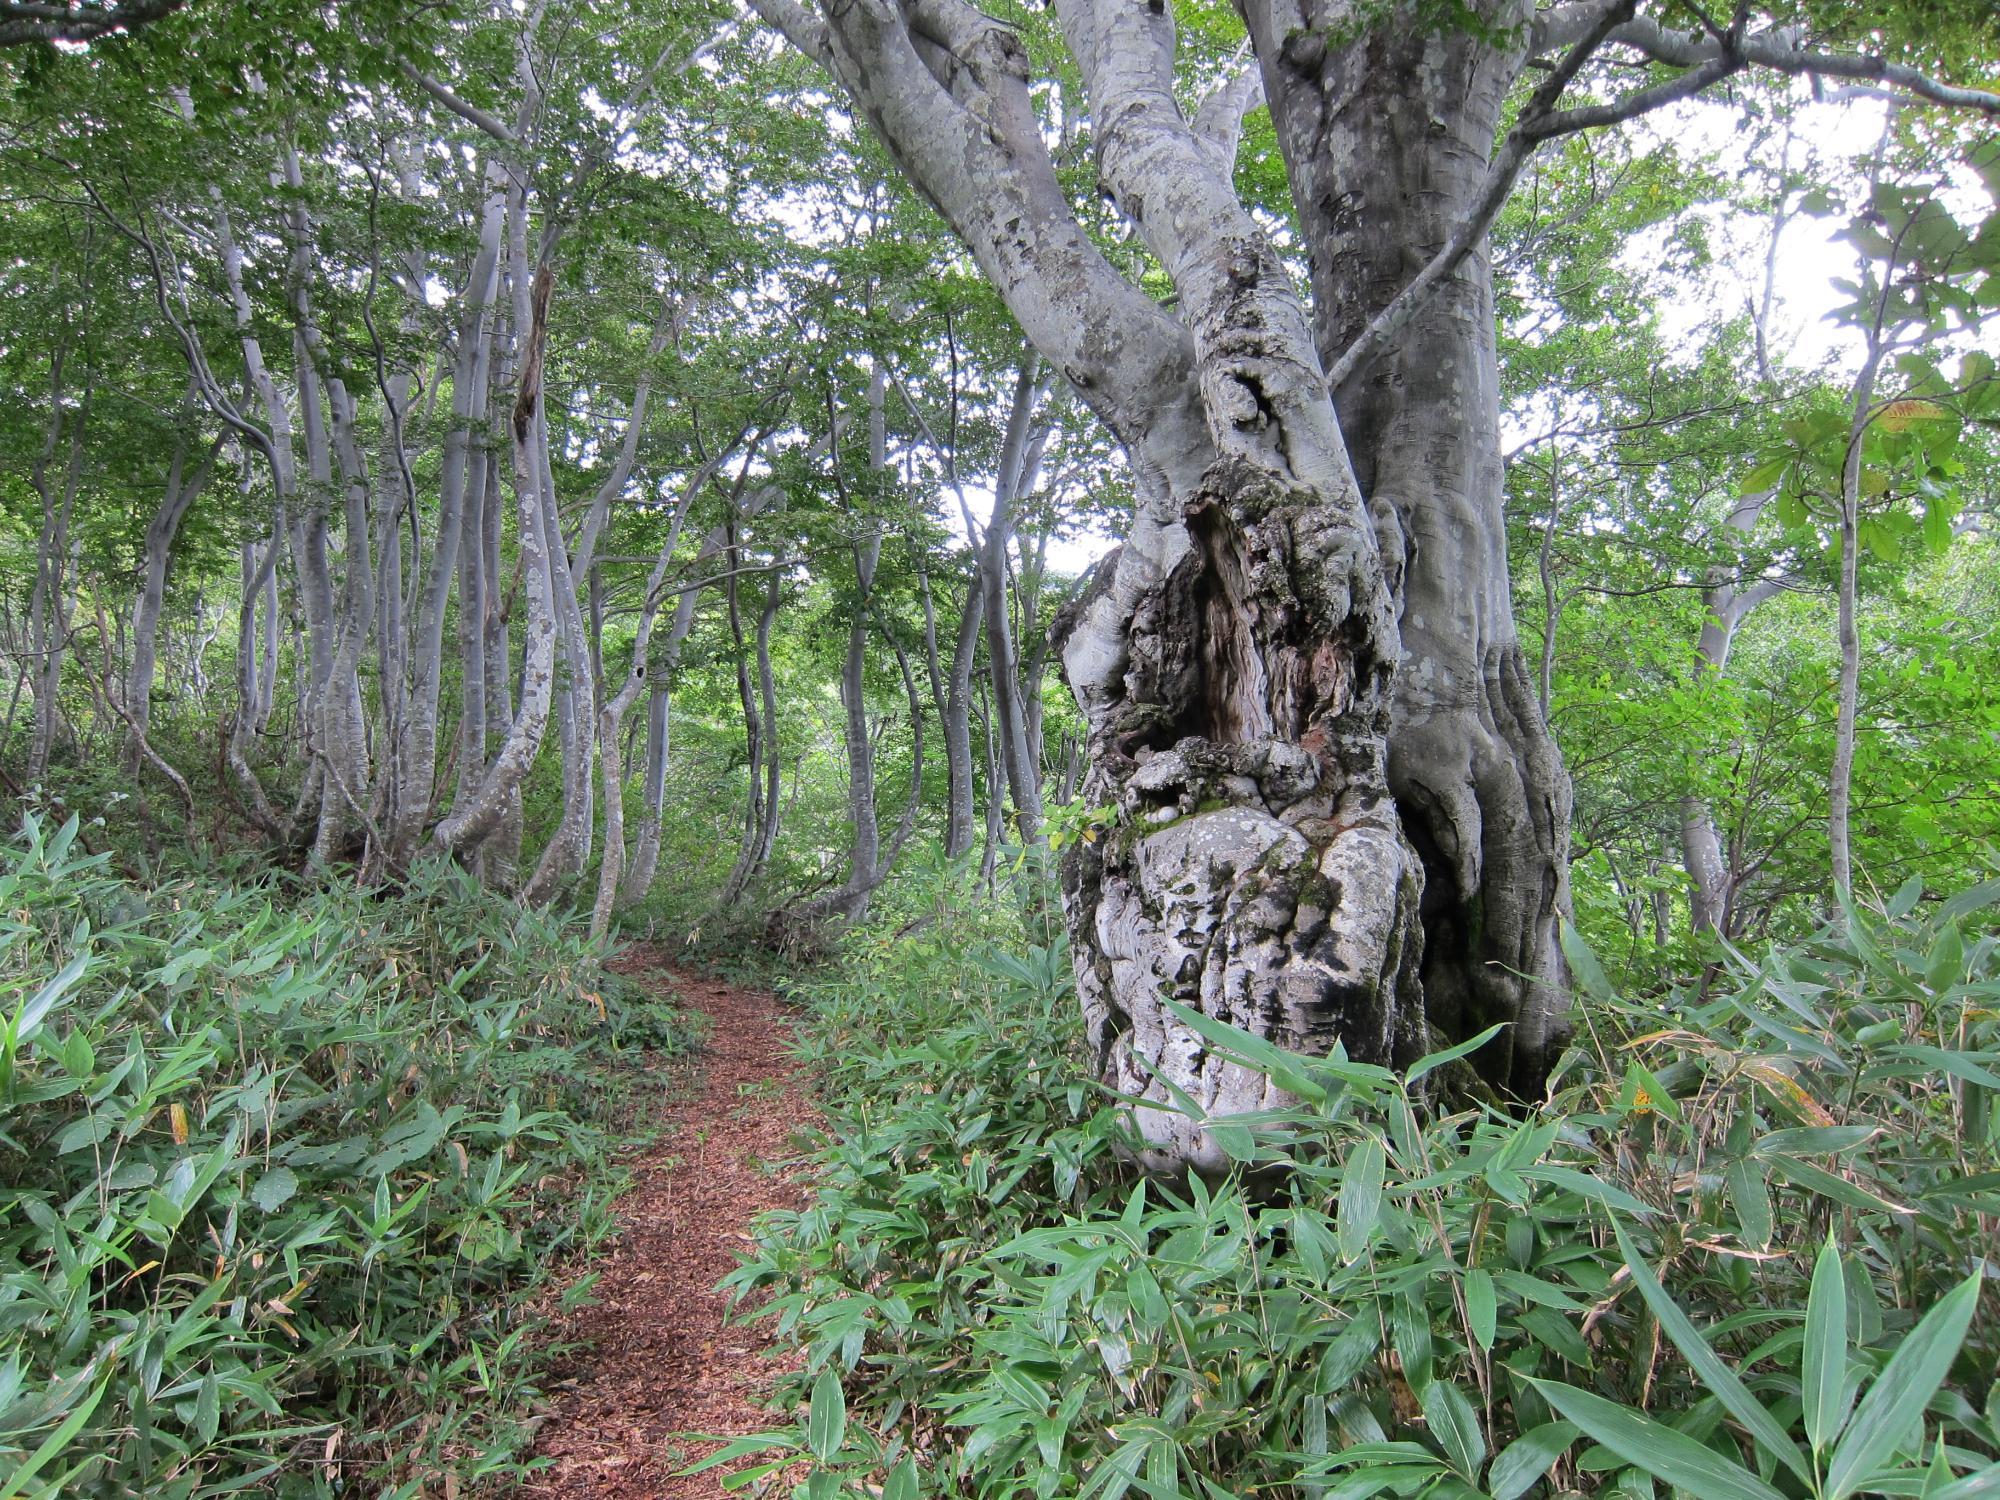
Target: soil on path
pixel 658 1356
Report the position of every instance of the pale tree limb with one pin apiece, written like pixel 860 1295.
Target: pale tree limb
pixel 1781 50
pixel 1218 121
pixel 464 108
pixel 1584 29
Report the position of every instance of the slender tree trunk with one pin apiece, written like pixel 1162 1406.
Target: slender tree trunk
pixel 956 718
pixel 267 680
pixel 867 866
pixel 989 853
pixel 1840 784
pixel 1019 460
pixel 850 902
pixel 767 687
pixel 413 773
pixel 755 751
pixel 1710 879
pixel 567 853
pixel 255 685
pixel 343 722
pixel 48 601
pixel 611 868
pixel 496 797
pixel 652 796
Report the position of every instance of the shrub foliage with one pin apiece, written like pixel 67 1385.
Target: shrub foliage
pixel 281 1176
pixel 1738 1252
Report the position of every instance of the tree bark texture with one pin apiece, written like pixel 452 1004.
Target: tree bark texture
pixel 1386 139
pixel 1310 844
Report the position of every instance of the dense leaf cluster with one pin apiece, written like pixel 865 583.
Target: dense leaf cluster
pixel 1738 1251
pixel 283 1178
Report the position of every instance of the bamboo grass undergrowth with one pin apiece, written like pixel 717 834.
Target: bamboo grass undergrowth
pixel 285 1180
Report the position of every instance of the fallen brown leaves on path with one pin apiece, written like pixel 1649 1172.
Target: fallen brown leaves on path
pixel 658 1357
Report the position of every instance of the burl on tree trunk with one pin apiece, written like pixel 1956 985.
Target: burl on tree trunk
pixel 1257 870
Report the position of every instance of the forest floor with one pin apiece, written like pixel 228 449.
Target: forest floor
pixel 656 1355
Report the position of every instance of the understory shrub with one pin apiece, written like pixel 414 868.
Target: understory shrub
pixel 280 1175
pixel 1739 1253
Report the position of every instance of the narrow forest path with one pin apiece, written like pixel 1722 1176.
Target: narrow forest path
pixel 658 1357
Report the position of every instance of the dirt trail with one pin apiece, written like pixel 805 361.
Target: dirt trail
pixel 658 1358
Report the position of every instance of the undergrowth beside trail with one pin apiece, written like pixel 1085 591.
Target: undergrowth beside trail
pixel 1742 1252
pixel 280 1175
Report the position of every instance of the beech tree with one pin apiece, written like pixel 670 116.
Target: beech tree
pixel 1342 819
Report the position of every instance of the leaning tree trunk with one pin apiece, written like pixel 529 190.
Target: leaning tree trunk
pixel 490 803
pixel 1711 882
pixel 413 770
pixel 1386 141
pixel 755 746
pixel 48 608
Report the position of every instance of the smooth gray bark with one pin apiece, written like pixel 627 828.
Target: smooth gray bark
pixel 413 771
pixel 611 868
pixel 756 694
pixel 869 864
pixel 48 602
pixel 494 800
pixel 1711 882
pixel 1840 782
pixel 1020 460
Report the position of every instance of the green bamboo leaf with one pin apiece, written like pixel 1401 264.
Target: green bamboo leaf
pixel 1717 1376
pixel 274 1189
pixel 1482 1307
pixel 1360 1198
pixel 1455 1425
pixel 1813 1140
pixel 1584 965
pixel 1527 1459
pixel 208 1408
pixel 1285 1069
pixel 1980 1484
pixel 1839 1189
pixel 1662 1451
pixel 1895 1402
pixel 1435 1060
pixel 826 1419
pixel 56 1441
pixel 1823 1375
pixel 1752 1200
pixel 1586 1186
pixel 735 1448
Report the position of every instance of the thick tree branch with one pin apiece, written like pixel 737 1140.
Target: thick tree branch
pixel 1584 27
pixel 1780 49
pixel 800 27
pixel 1218 122
pixel 465 109
pixel 1539 122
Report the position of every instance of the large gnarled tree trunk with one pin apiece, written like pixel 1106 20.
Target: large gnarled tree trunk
pixel 1235 662
pixel 1386 142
